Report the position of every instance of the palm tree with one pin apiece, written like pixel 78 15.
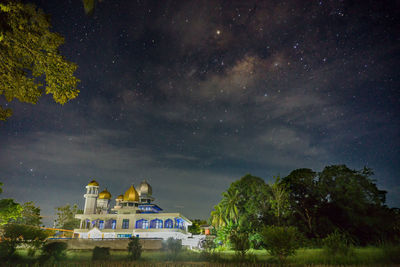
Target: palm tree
pixel 218 217
pixel 230 204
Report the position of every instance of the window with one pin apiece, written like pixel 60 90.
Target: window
pixel 156 223
pixel 125 224
pixel 179 223
pixel 142 224
pixel 101 224
pixel 130 204
pixel 113 224
pixel 168 224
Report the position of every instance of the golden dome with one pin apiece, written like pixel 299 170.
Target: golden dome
pixel 131 194
pixel 104 194
pixel 145 189
pixel 93 183
pixel 120 197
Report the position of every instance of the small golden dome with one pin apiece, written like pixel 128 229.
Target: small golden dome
pixel 145 189
pixel 131 194
pixel 120 197
pixel 93 183
pixel 104 194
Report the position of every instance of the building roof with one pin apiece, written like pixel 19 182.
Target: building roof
pixel 131 194
pixel 104 194
pixel 93 183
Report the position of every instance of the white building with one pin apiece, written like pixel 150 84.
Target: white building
pixel 133 215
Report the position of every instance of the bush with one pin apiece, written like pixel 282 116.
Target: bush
pixel 100 253
pixel 7 249
pixel 173 246
pixel 14 235
pixel 54 250
pixel 337 243
pixel 281 242
pixel 134 248
pixel 241 244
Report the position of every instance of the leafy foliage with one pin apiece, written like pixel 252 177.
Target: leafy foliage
pixel 14 235
pixel 54 251
pixel 279 200
pixel 30 60
pixel 30 215
pixel 281 241
pixel 240 242
pixel 174 247
pixel 66 217
pixel 337 243
pixel 134 248
pixel 195 227
pixel 9 210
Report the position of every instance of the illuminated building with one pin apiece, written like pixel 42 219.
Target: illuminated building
pixel 134 214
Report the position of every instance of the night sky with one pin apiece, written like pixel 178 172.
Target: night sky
pixel 192 95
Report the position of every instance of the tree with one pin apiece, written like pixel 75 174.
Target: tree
pixel 195 227
pixel 134 248
pixel 305 198
pixel 279 200
pixel 30 62
pixel 9 210
pixel 229 203
pixel 218 217
pixel 350 201
pixel 30 215
pixel 66 217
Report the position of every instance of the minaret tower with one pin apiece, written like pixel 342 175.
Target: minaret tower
pixel 92 192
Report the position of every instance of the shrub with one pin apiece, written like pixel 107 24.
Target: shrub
pixel 54 250
pixel 337 243
pixel 7 249
pixel 173 246
pixel 281 241
pixel 208 244
pixel 241 244
pixel 134 248
pixel 14 235
pixel 100 253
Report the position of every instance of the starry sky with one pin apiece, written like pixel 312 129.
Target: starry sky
pixel 193 95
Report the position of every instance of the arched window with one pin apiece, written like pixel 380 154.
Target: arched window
pixel 142 224
pixel 101 224
pixel 168 223
pixel 156 223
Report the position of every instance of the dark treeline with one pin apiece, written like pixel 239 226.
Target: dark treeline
pixel 316 203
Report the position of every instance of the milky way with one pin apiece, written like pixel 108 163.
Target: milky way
pixel 193 95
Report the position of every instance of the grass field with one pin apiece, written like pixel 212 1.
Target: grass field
pixel 366 256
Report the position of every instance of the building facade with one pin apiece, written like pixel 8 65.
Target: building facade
pixel 134 214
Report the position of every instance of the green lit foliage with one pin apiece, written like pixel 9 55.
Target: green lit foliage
pixel 134 248
pixel 65 217
pixel 30 62
pixel 195 227
pixel 279 200
pixel 281 241
pixel 30 215
pixel 9 210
